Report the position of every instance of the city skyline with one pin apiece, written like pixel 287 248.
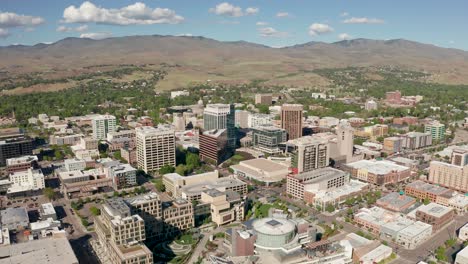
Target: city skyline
pixel 274 24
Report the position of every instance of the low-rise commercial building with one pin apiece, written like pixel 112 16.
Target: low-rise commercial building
pixel 26 182
pixel 226 207
pixel 324 178
pixel 55 249
pixel 397 202
pixel 14 219
pixel 379 172
pixel 463 232
pixel 262 170
pixel 21 163
pixel 335 196
pixel 434 214
pixel 173 182
pixel 193 192
pixel 391 225
pixel 462 256
pixel 123 176
pixel 47 210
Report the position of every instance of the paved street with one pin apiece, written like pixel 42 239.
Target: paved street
pixel 201 244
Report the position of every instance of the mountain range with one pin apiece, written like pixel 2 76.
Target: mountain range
pixel 233 61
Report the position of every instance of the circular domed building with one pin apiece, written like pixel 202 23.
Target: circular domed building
pixel 273 233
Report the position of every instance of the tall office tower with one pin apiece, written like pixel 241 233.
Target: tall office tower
pixel 155 147
pixel 221 116
pixel 345 136
pixel 242 118
pixel 436 129
pixel 13 143
pixel 103 124
pixel 309 153
pixel 121 234
pixel 213 146
pixel 291 120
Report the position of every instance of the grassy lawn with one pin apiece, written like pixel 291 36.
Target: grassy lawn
pixel 186 239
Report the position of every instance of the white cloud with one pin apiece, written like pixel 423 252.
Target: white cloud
pixel 271 32
pixel 251 10
pixel 261 23
pixel 8 20
pixel 451 42
pixel 135 14
pixel 344 14
pixel 344 36
pixel 363 20
pixel 81 28
pixel 226 9
pixel 282 14
pixel 318 29
pixel 4 33
pixel 29 29
pixel 230 10
pixel 97 35
pixel 185 35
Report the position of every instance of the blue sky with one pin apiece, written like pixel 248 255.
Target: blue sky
pixel 271 22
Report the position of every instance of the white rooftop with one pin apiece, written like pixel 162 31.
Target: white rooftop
pixel 379 167
pixel 56 249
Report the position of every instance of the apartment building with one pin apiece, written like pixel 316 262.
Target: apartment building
pixel 103 124
pixel 372 132
pixel 449 175
pixel 416 140
pixel 309 153
pixel 392 145
pixel 436 129
pixel 121 234
pixel 162 219
pixel 291 119
pixel 25 182
pixel 155 147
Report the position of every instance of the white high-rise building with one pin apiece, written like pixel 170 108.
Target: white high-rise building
pixel 103 124
pixel 256 119
pixel 345 137
pixel 155 147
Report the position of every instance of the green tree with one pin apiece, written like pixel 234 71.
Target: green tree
pixel 166 169
pixel 181 169
pixel 84 222
pixel 158 183
pixel 263 109
pixel 192 160
pixel 49 193
pixel 95 211
pixel 58 154
pixel 330 208
pixel 426 201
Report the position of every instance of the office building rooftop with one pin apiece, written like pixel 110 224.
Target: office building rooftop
pixel 379 167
